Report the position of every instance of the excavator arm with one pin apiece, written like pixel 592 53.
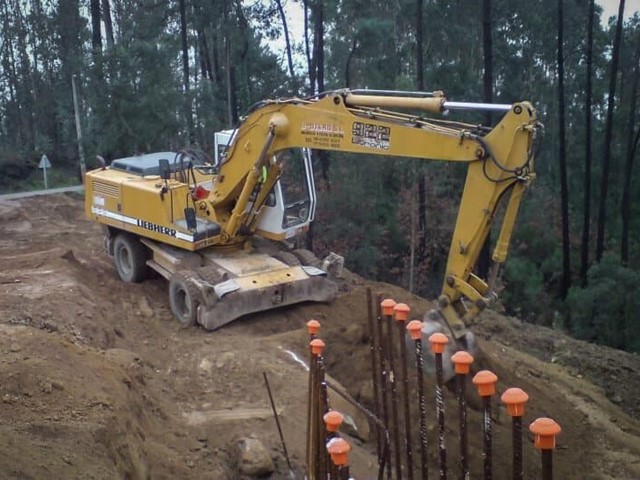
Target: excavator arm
pixel 500 168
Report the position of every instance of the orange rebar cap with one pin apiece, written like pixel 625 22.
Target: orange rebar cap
pixel 317 346
pixel 486 382
pixel 387 306
pixel 462 362
pixel 545 430
pixel 339 449
pixel 313 327
pixel 415 329
pixel 333 420
pixel 438 341
pixel 401 311
pixel 514 399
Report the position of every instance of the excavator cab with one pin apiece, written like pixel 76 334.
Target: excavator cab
pixel 290 206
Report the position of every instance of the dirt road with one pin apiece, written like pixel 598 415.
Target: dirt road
pixel 98 381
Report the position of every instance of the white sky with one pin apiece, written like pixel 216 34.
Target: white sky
pixel 611 8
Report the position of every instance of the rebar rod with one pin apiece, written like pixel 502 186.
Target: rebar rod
pixel 324 460
pixel 442 447
pixel 516 429
pixel 384 383
pixel 547 464
pixel 312 337
pixel 464 444
pixel 422 403
pixel 312 435
pixel 487 437
pixel 344 473
pixel 275 415
pixel 407 412
pixel 375 368
pixel 394 398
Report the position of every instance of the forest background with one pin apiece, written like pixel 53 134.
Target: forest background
pixel 162 74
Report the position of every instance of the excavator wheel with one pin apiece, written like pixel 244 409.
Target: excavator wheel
pixel 130 257
pixel 184 298
pixel 307 257
pixel 287 258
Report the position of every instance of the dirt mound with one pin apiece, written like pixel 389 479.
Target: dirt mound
pixel 98 380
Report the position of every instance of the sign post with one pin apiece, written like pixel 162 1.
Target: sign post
pixel 44 164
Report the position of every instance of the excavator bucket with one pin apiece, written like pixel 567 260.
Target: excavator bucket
pixel 434 322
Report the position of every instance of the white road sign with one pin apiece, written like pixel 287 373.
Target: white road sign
pixel 44 162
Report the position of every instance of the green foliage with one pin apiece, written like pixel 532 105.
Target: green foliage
pixel 606 310
pixel 525 293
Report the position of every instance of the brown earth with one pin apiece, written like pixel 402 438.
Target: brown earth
pixel 98 381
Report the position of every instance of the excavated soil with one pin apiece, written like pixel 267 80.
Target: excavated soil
pixel 98 381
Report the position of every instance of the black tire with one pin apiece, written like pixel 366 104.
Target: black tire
pixel 287 258
pixel 307 257
pixel 184 298
pixel 130 257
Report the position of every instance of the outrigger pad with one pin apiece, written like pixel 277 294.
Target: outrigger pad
pixel 241 301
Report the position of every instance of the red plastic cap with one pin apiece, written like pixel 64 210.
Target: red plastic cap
pixel 333 420
pixel 313 327
pixel 317 346
pixel 486 382
pixel 514 399
pixel 545 430
pixel 462 361
pixel 415 329
pixel 401 311
pixel 339 449
pixel 438 342
pixel 387 306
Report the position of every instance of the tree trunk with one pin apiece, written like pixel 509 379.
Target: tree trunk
pixel 422 209
pixel 488 57
pixel 108 25
pixel 310 61
pixel 586 217
pixel 96 34
pixel 287 41
pixel 318 62
pixel 216 59
pixel 347 68
pixel 628 167
pixel 413 240
pixel 419 47
pixel 484 260
pixel 232 101
pixel 318 44
pixel 608 133
pixel 185 70
pixel 562 156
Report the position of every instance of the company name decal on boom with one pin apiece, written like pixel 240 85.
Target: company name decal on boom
pixel 371 135
pixel 322 134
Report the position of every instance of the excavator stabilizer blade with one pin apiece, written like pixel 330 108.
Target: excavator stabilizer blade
pixel 434 322
pixel 241 296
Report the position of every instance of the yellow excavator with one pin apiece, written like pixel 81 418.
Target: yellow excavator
pixel 217 229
